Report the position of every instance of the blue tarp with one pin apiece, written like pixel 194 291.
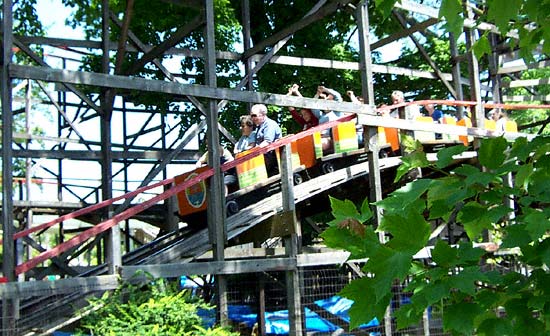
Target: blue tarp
pixel 277 322
pixel 340 306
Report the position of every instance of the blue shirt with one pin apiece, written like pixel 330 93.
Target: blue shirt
pixel 437 115
pixel 245 142
pixel 268 131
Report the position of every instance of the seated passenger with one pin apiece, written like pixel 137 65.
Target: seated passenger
pixel 436 115
pixel 411 111
pixel 248 137
pixel 304 117
pixel 501 118
pixel 433 112
pixel 267 131
pixel 327 115
pixel 353 98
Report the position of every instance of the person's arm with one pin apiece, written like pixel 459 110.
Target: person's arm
pixel 352 97
pixel 297 117
pixel 227 156
pixel 203 160
pixel 337 96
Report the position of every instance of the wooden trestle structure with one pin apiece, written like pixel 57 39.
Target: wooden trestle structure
pixel 170 257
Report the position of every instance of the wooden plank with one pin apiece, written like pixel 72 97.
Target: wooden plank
pixel 517 68
pixel 530 98
pixel 21 290
pixel 175 270
pixel 123 82
pixel 526 82
pixel 84 155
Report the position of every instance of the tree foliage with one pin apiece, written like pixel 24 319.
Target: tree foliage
pixel 476 290
pixel 157 308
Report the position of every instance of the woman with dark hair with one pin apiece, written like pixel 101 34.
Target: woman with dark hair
pixel 304 117
pixel 248 137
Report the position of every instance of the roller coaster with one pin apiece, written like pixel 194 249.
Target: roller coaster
pixel 259 197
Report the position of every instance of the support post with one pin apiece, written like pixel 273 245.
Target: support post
pixel 216 190
pixel 292 246
pixel 9 306
pixel 370 134
pixel 113 250
pixel 473 67
pixel 456 74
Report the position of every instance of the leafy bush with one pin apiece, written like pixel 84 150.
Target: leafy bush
pixel 157 308
pixel 477 199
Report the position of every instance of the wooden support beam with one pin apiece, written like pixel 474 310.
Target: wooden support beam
pixel 168 43
pixel 404 33
pixel 114 81
pixel 210 267
pixel 85 155
pixel 522 67
pixel 26 289
pixel 526 82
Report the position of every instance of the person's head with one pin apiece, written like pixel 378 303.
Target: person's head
pixel 323 93
pixel 492 115
pixel 258 113
pixel 306 114
pixel 430 109
pixel 397 97
pixel 246 124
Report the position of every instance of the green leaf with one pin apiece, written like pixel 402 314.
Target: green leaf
pixel 410 231
pixel 444 255
pixel 491 152
pixel 366 212
pixel 439 209
pixel 480 178
pixel 468 254
pixel 492 196
pixel 445 156
pixel 407 314
pixel 503 15
pixel 384 276
pixel 451 10
pixel 465 280
pixel 523 176
pixel 433 292
pixel 366 303
pixel 459 317
pixel 346 240
pixel 488 298
pixel 521 148
pixel 342 210
pixel 473 217
pixel 482 47
pixel 537 224
pixel 515 236
pixel 385 7
pixel 405 196
pixel 495 326
pixel 414 160
pixel 466 170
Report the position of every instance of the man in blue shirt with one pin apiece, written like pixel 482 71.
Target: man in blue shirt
pixel 436 114
pixel 267 131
